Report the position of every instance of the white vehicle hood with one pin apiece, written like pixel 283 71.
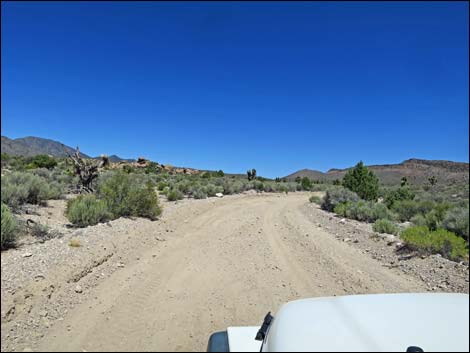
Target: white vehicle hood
pixel 384 322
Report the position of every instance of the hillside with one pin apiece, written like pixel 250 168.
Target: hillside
pixel 416 170
pixel 31 146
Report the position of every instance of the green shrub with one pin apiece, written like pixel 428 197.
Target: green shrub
pixel 184 186
pixel 174 195
pixel 161 185
pixel 385 226
pixel 336 196
pixel 364 211
pixel 42 161
pixel 400 194
pixel 361 211
pixel 19 188
pixel 87 210
pixel 199 193
pixel 128 169
pixel 342 209
pixel 418 220
pixel 441 241
pixel 114 189
pixel 457 220
pixel 435 217
pixel 144 202
pixel 129 195
pixel 152 168
pixel 306 183
pixel 362 181
pixel 9 228
pixel 258 186
pixel 316 199
pixel 406 209
pixel 210 190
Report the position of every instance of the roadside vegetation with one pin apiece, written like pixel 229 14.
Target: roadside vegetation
pixel 428 220
pixel 134 191
pixel 105 193
pixel 9 228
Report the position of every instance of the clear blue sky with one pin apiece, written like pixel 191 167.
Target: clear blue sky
pixel 272 86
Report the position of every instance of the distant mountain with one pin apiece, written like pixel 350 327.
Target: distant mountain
pixel 31 146
pixel 416 170
pixel 116 159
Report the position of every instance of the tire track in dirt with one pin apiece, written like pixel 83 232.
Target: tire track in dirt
pixel 226 266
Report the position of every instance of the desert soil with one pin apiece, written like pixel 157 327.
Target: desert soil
pixel 137 285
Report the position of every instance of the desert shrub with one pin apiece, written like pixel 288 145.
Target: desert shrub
pixel 229 187
pixel 400 194
pixel 361 211
pixel 258 186
pixel 270 187
pixel 418 220
pixel 237 187
pixel 433 219
pixel 55 176
pixel 457 220
pixel 380 211
pixel 441 241
pixel 210 189
pixel 342 209
pixel 128 169
pixel 87 210
pixel 74 243
pixel 114 189
pixel 336 196
pixel 144 203
pixel 9 228
pixel 152 168
pixel 5 157
pixel 165 190
pixel 161 185
pixel 198 193
pixel 40 231
pixel 316 199
pixel 129 195
pixel 406 209
pixel 385 226
pixel 425 205
pixel 364 211
pixel 42 161
pixel 175 195
pixel 184 186
pixel 362 181
pixel 19 188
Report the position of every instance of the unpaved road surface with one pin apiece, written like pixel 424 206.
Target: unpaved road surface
pixel 227 264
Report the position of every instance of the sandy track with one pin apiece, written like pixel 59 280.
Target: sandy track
pixel 226 265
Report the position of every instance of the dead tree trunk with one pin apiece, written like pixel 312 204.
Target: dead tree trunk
pixel 86 170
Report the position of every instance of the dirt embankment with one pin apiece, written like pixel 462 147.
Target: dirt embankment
pixel 139 285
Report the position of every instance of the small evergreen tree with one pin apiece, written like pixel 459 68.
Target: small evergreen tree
pixel 404 181
pixel 432 180
pixel 306 183
pixel 362 181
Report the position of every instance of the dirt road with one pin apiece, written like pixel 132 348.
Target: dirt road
pixel 226 265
